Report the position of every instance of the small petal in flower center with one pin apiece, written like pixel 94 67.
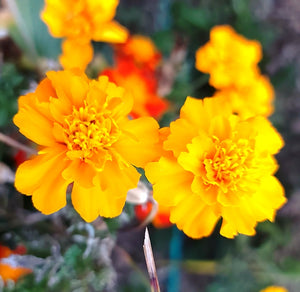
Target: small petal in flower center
pixel 228 163
pixel 89 132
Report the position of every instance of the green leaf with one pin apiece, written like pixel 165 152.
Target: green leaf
pixel 30 32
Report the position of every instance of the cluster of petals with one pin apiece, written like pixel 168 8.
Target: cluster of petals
pixel 135 64
pixel 85 138
pixel 8 269
pixel 217 166
pixel 80 22
pixel 231 60
pixel 274 289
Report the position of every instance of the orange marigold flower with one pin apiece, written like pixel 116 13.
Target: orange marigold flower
pixel 142 83
pixel 8 269
pixel 256 98
pixel 139 49
pixel 274 289
pixel 229 58
pixel 221 167
pixel 82 21
pixel 87 139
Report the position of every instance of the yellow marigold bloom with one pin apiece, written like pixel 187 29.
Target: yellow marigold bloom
pixel 256 98
pixel 217 165
pixel 82 21
pixel 229 58
pixel 86 139
pixel 274 289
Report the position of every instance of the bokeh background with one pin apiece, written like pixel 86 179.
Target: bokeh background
pixel 67 254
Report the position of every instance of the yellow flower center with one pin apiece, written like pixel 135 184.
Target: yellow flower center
pixel 230 165
pixel 89 132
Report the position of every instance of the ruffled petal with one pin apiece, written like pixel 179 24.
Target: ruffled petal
pixel 34 172
pixel 50 195
pixel 34 120
pixel 80 172
pixel 140 142
pixel 74 87
pixel 86 201
pixel 107 199
pixel 181 134
pixel 115 183
pixel 171 183
pixel 193 159
pixel 194 217
pixel 238 220
pixel 269 198
pixel 208 194
pixel 268 139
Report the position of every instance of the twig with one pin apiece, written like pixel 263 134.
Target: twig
pixel 13 143
pixel 150 263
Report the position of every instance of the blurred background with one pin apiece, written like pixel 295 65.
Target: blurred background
pixel 66 254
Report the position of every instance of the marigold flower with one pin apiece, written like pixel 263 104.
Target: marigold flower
pixel 217 166
pixel 274 289
pixel 139 49
pixel 82 21
pixel 229 58
pixel 142 83
pixel 254 99
pixel 87 139
pixel 8 270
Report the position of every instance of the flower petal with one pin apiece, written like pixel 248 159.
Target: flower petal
pixel 80 172
pixel 171 183
pixel 140 143
pixel 196 222
pixel 86 201
pixel 181 134
pixel 32 173
pixel 34 120
pixel 268 198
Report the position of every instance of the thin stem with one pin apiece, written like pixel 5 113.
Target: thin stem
pixel 15 144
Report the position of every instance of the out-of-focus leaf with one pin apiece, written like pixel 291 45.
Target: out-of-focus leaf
pixel 29 31
pixel 188 18
pixel 11 84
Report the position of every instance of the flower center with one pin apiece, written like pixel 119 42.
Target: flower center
pixel 89 132
pixel 230 165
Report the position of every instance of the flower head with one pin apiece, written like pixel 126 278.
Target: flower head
pixel 142 83
pixel 80 22
pixel 87 139
pixel 274 289
pixel 8 269
pixel 217 166
pixel 229 58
